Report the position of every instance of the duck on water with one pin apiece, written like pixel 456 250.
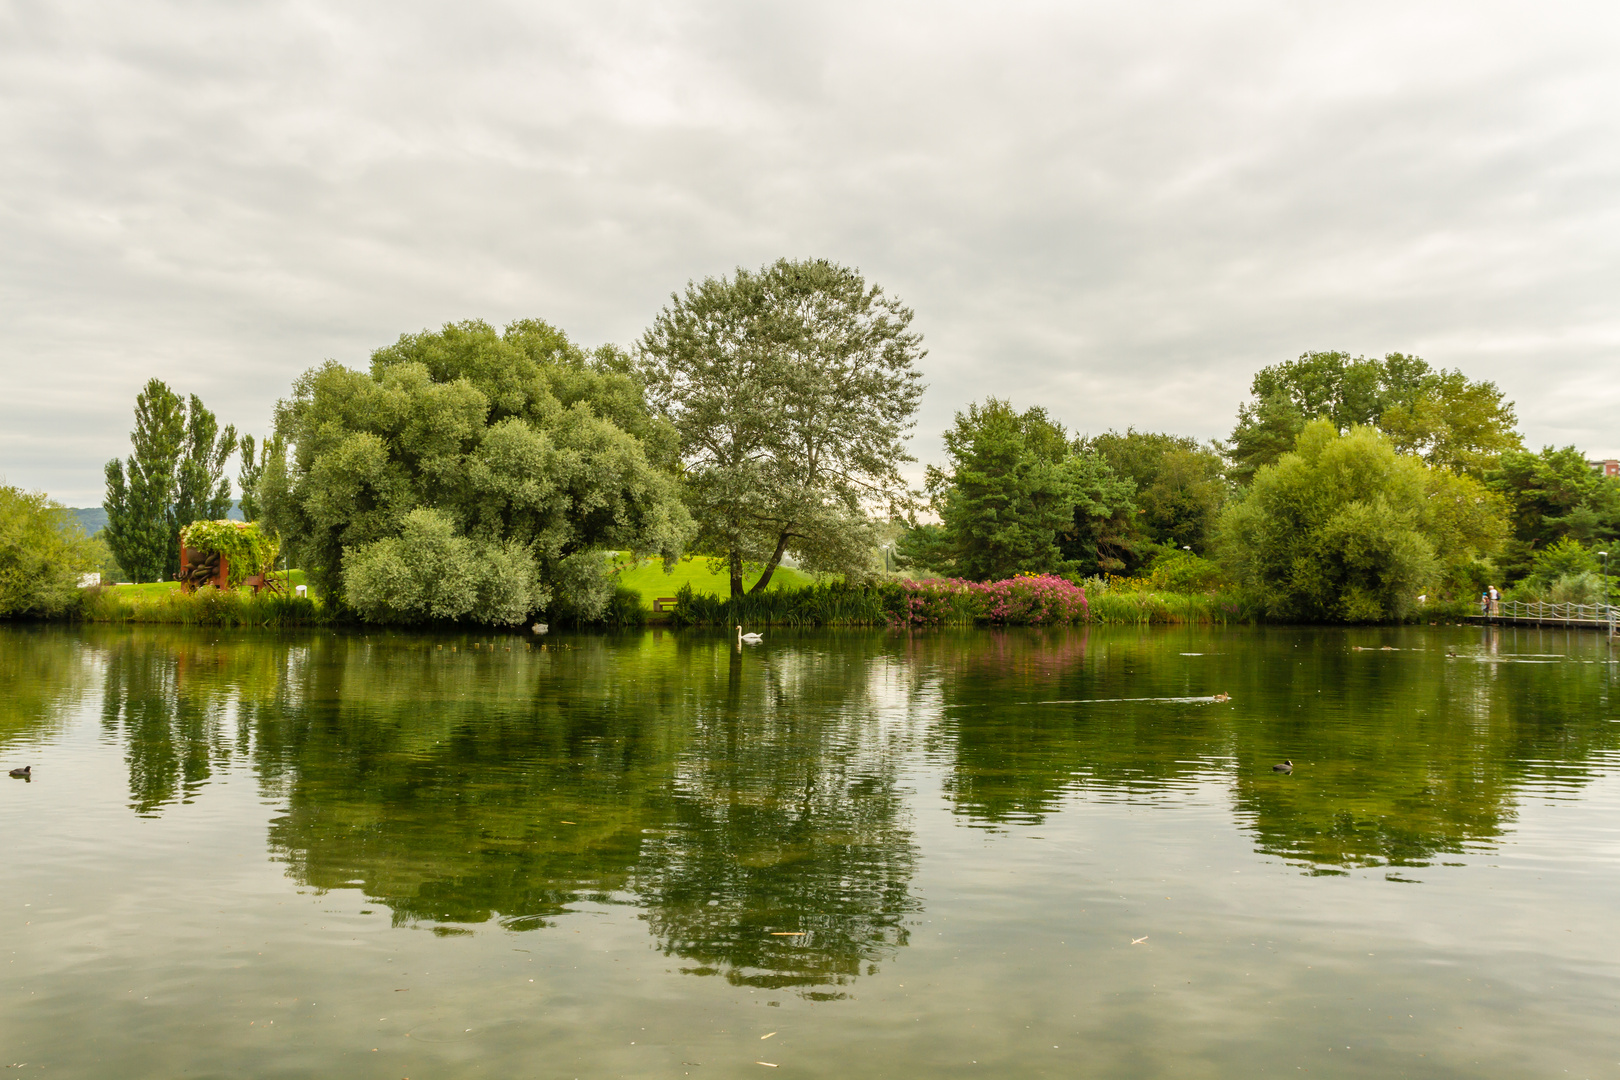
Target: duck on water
pixel 1286 766
pixel 24 773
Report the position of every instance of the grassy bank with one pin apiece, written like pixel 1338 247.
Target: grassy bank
pixel 165 602
pixel 647 577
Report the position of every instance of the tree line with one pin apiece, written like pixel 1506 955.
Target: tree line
pixel 480 474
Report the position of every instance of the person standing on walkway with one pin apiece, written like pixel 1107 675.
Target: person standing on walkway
pixel 1496 600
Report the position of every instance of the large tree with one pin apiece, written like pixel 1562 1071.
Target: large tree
pixel 471 475
pixel 1439 414
pixel 175 476
pixel 1345 528
pixel 1552 495
pixel 1180 484
pixel 1017 496
pixel 792 389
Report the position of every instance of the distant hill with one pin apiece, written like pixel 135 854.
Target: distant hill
pixel 93 518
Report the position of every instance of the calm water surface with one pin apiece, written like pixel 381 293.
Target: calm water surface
pixel 860 854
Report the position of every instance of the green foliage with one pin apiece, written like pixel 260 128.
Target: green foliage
pixel 1017 497
pixel 792 389
pixel 252 470
pixel 939 602
pixel 201 491
pixel 1180 484
pixel 1345 529
pixel 1111 607
pixel 471 475
pixel 1101 535
pixel 833 603
pixel 625 609
pixel 206 606
pixel 1560 558
pixel 1552 495
pixel 430 572
pixel 175 476
pixel 140 492
pixel 1439 415
pixel 1178 571
pixel 248 548
pixel 42 554
pixel 1586 587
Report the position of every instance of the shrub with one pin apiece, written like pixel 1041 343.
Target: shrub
pixel 1584 587
pixel 42 553
pixel 625 608
pixel 1563 558
pixel 430 571
pixel 1030 600
pixel 932 602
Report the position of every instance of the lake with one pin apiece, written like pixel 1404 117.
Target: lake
pixel 1022 853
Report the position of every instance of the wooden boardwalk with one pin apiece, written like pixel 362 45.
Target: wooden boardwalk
pixel 1525 620
pixel 1575 616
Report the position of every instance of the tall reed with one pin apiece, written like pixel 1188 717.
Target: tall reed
pixel 207 606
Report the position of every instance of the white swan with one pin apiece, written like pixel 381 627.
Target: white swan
pixel 750 639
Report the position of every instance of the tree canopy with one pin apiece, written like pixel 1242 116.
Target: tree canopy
pixel 1180 484
pixel 1440 415
pixel 792 390
pixel 472 474
pixel 1552 495
pixel 42 553
pixel 1018 496
pixel 175 476
pixel 1345 528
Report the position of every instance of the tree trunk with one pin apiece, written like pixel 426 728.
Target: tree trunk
pixel 770 567
pixel 736 574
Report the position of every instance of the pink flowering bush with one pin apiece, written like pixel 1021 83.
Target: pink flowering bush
pixel 938 602
pixel 1028 600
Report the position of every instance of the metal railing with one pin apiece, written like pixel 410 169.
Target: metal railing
pixel 1607 614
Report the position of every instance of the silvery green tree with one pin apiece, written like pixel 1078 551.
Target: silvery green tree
pixel 175 476
pixel 472 474
pixel 792 389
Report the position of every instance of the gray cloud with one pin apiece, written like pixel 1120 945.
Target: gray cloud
pixel 1118 211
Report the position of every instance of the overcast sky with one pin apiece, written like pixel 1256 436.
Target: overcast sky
pixel 1119 211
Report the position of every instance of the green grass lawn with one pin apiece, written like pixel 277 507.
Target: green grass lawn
pixel 651 582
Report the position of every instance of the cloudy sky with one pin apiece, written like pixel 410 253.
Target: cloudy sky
pixel 1119 211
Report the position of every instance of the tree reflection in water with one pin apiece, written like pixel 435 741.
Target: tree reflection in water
pixel 748 803
pixel 1401 755
pixel 753 805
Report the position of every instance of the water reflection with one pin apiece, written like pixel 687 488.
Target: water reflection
pixel 747 803
pixel 753 805
pixel 44 671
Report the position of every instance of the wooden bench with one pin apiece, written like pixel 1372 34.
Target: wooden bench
pixel 664 603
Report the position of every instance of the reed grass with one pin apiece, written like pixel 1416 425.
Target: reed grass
pixel 884 603
pixel 207 606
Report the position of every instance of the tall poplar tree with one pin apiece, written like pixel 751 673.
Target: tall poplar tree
pixel 140 491
pixel 175 476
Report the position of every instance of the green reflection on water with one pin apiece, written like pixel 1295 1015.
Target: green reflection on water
pixel 1407 745
pixel 753 804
